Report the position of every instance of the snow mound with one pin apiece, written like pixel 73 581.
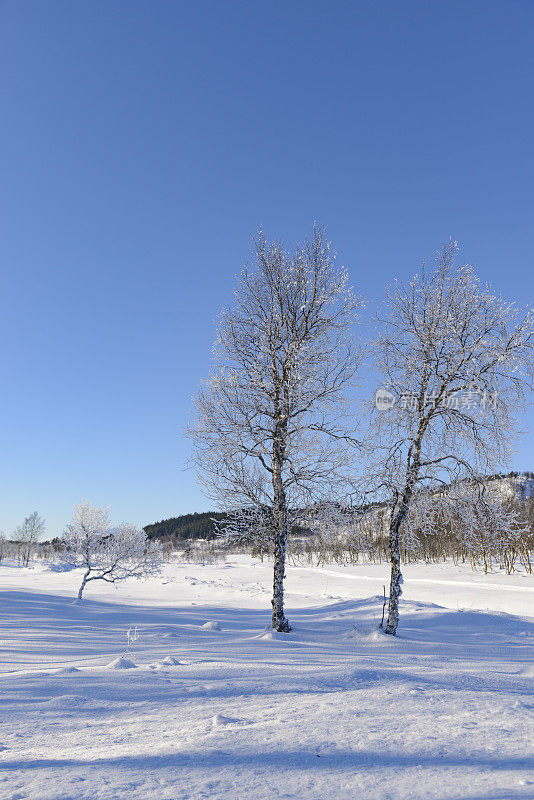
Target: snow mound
pixel 211 625
pixel 271 635
pixel 366 633
pixel 268 634
pixel 67 671
pixel 169 661
pixel 121 663
pixel 219 721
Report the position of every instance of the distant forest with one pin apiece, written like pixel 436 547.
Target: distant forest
pixel 201 526
pixel 188 526
pixel 194 526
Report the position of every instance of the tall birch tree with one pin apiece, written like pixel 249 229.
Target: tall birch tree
pixel 456 366
pixel 270 434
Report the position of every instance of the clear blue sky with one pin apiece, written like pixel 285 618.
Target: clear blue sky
pixel 142 143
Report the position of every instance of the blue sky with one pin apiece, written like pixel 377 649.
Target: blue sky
pixel 141 145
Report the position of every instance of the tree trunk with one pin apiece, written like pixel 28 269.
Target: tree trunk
pixel 279 621
pixel 82 587
pixel 395 590
pixel 398 516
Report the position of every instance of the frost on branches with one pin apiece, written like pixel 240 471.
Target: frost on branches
pixel 481 521
pixel 484 523
pixel 106 553
pixel 445 341
pixel 270 434
pixel 27 536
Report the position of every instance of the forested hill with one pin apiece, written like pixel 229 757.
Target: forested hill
pixel 188 526
pixel 200 526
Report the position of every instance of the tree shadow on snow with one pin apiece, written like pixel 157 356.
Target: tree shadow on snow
pixel 41 630
pixel 296 759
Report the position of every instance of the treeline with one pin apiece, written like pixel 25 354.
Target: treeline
pixel 186 526
pixel 196 526
pixel 485 549
pixel 202 526
pixel 513 474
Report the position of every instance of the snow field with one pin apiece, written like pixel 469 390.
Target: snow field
pixel 212 704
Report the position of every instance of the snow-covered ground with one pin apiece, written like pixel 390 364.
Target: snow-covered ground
pixel 333 711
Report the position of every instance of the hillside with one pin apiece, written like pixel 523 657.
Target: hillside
pixel 186 526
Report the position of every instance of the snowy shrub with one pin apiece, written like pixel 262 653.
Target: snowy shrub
pixel 104 553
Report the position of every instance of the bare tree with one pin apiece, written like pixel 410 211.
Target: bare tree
pixel 27 535
pixel 105 553
pixel 456 362
pixel 270 434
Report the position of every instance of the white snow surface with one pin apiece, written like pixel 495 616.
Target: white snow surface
pixel 216 705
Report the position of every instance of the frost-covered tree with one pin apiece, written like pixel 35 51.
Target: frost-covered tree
pixel 105 553
pixel 487 525
pixel 270 434
pixel 27 535
pixel 456 364
pixel 482 522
